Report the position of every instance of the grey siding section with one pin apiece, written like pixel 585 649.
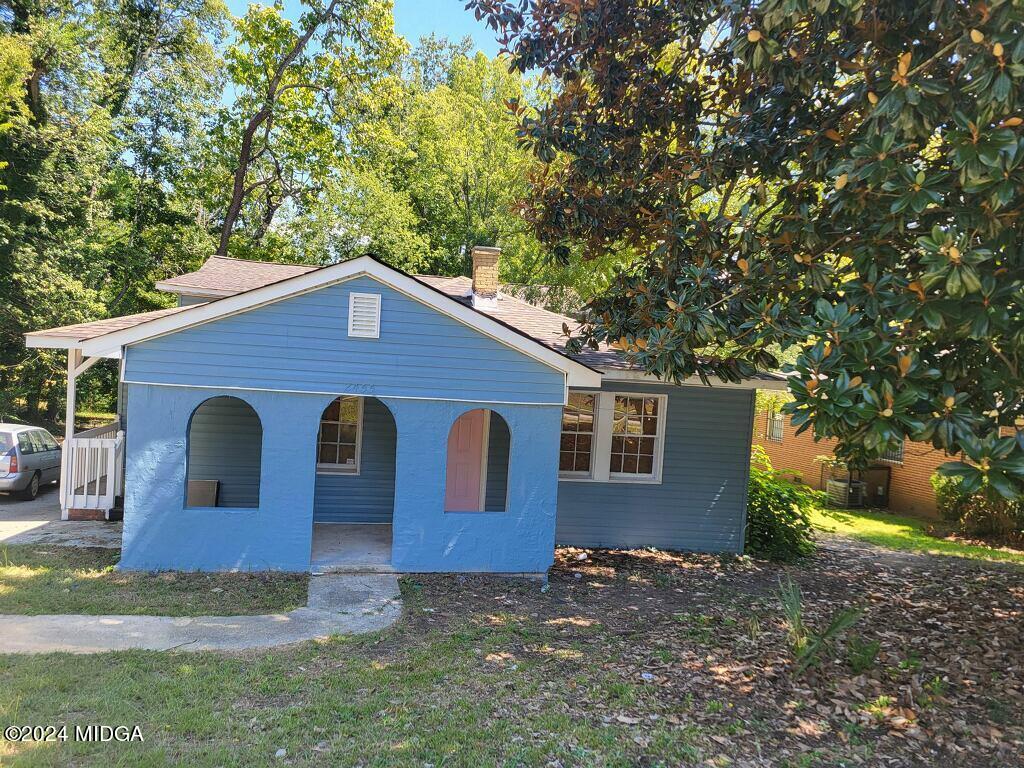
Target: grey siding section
pixel 700 505
pixel 496 492
pixel 368 497
pixel 188 301
pixel 225 442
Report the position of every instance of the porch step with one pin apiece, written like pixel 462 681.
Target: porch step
pixel 321 570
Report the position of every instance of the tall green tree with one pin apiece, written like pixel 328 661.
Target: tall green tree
pixel 89 213
pixel 440 169
pixel 296 91
pixel 864 161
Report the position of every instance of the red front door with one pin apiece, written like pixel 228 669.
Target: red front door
pixel 466 455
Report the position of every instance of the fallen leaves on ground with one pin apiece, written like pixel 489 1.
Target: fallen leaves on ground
pixel 697 644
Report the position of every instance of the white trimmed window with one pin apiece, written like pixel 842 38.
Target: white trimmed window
pixel 635 430
pixel 613 437
pixel 341 432
pixel 576 450
pixel 776 427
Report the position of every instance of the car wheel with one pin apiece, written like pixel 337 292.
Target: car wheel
pixel 32 490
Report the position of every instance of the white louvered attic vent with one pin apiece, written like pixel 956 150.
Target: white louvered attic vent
pixel 364 315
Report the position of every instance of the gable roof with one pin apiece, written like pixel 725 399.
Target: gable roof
pixel 222 276
pixel 105 338
pixel 230 278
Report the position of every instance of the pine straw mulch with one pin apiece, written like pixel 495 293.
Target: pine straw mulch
pixel 703 641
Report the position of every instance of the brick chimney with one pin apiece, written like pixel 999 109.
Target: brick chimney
pixel 485 276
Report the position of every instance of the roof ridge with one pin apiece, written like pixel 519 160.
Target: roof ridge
pixel 262 261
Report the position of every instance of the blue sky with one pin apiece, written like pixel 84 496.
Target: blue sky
pixel 415 18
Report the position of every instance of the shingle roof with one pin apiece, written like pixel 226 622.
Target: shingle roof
pixel 96 328
pixel 224 276
pixel 538 323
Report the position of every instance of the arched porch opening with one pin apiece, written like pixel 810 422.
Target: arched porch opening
pixel 354 497
pixel 224 449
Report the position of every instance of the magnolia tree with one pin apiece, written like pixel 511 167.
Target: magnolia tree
pixel 839 177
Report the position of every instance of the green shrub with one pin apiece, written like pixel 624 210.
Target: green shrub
pixel 808 645
pixel 861 655
pixel 982 513
pixel 778 526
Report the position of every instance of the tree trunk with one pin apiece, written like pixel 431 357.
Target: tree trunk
pixel 245 155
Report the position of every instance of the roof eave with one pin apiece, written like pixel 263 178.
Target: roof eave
pixel 70 342
pixel 618 374
pixel 41 341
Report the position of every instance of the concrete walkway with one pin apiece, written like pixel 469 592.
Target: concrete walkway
pixel 341 604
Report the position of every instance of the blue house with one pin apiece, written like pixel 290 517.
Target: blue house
pixel 352 416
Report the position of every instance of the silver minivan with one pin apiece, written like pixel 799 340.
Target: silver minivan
pixel 29 457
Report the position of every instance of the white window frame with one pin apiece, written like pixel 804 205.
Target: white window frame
pixel 776 431
pixel 352 331
pixel 601 447
pixel 589 473
pixel 349 470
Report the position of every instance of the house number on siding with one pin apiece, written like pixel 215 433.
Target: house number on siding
pixel 361 388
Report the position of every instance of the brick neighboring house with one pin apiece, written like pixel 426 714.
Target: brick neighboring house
pixel 910 470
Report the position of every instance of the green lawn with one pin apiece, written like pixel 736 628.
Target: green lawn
pixel 649 659
pixel 37 579
pixel 904 533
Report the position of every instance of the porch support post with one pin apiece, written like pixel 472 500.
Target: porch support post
pixel 74 361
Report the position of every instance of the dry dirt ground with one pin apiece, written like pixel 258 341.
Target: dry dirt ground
pixel 700 646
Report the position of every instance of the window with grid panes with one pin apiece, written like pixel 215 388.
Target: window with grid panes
pixel 577 442
pixel 636 427
pixel 338 443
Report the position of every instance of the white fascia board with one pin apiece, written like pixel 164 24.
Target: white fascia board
pixel 613 374
pixel 51 342
pixel 68 342
pixel 578 375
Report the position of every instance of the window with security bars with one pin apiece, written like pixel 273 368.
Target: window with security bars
pixel 893 455
pixel 577 442
pixel 776 427
pixel 636 427
pixel 338 442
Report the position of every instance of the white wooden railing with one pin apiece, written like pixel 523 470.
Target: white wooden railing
pixel 95 465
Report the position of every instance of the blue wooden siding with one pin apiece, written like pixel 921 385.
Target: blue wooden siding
pixel 497 465
pixel 301 344
pixel 701 502
pixel 368 497
pixel 224 443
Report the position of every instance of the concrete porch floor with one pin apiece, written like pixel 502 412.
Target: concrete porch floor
pixel 351 548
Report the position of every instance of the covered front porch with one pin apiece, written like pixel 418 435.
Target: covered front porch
pixel 256 480
pixel 92 461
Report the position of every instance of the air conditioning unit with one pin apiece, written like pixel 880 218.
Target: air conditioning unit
pixel 845 493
